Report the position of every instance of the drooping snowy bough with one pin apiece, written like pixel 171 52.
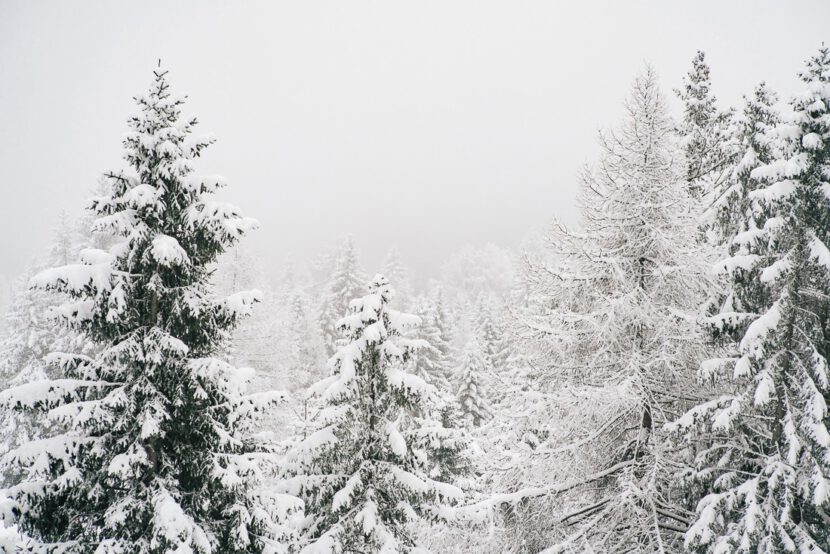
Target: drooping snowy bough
pixel 147 450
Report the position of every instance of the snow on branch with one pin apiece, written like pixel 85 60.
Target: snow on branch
pixel 240 304
pixel 480 511
pixel 74 278
pixel 167 251
pixel 49 392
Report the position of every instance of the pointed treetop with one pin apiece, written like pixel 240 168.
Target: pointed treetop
pixel 818 67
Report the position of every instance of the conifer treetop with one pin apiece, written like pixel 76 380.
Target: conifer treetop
pixel 371 469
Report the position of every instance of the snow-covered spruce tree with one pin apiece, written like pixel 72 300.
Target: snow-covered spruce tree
pixel 347 282
pixel 67 239
pixel 474 406
pixel 395 271
pixel 253 343
pixel 148 453
pixel 734 220
pixel 305 353
pixel 492 332
pixel 444 324
pixel 765 450
pixel 703 130
pixel 730 215
pixel 486 331
pixel 428 362
pixel 31 331
pixel 617 328
pixel 374 465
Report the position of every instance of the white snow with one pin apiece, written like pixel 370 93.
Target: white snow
pixel 141 196
pixel 396 440
pixel 820 252
pixel 758 331
pixel 167 251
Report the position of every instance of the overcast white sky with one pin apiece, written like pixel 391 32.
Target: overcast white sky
pixel 424 124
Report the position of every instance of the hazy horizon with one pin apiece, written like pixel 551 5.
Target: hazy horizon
pixel 464 121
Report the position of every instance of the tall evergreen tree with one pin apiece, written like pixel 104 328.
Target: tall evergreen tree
pixel 730 215
pixel 734 221
pixel 444 324
pixel 703 130
pixel 67 240
pixel 148 452
pixel 497 353
pixel 485 331
pixel 764 458
pixel 253 343
pixel 31 331
pixel 347 282
pixel 305 352
pixel 428 362
pixel 492 333
pixel 618 328
pixel 474 405
pixel 374 465
pixel 394 269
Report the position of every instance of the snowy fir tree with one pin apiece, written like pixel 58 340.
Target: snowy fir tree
pixel 346 283
pixel 764 457
pixel 305 352
pixel 730 215
pixel 444 324
pixel 31 331
pixel 429 361
pixel 371 469
pixel 733 225
pixel 255 341
pixel 493 337
pixel 474 406
pixel 66 241
pixel 394 269
pixel 149 452
pixel 703 130
pixel 485 330
pixel 618 328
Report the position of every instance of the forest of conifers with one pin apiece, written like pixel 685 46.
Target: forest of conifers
pixel 652 379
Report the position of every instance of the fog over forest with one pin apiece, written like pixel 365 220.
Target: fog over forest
pixel 328 278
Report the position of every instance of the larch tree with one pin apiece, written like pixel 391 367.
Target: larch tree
pixel 617 327
pixel 764 455
pixel 375 463
pixel 148 451
pixel 346 283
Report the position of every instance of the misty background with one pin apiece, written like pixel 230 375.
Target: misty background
pixel 423 125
